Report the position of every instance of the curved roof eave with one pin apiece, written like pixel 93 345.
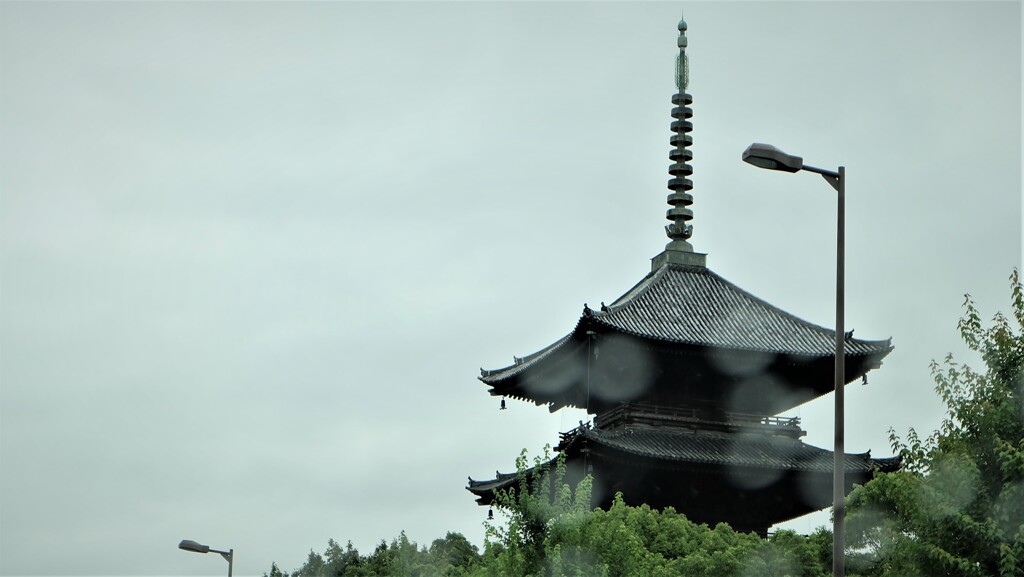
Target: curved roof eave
pixel 693 306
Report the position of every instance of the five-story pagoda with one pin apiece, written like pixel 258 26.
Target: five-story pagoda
pixel 685 373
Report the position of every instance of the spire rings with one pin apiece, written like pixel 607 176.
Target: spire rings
pixel 680 168
pixel 682 112
pixel 682 98
pixel 681 140
pixel 680 154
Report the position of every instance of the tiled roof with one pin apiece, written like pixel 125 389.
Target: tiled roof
pixel 486 490
pixel 522 363
pixel 694 306
pixel 500 481
pixel 761 451
pixel 703 448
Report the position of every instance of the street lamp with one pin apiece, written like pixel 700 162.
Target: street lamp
pixel 771 158
pixel 189 545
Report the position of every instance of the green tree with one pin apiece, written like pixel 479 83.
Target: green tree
pixel 957 506
pixel 313 567
pixel 339 562
pixel 454 555
pixel 540 502
pixel 275 571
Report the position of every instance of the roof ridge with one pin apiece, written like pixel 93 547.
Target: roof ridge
pixel 638 288
pixel 645 283
pixel 767 305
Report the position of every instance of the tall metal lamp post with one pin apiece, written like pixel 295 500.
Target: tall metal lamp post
pixel 189 545
pixel 771 158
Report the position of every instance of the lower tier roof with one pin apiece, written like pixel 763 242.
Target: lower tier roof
pixel 718 448
pixel 749 481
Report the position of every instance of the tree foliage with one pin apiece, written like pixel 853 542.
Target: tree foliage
pixel 541 503
pixel 957 506
pixel 451 556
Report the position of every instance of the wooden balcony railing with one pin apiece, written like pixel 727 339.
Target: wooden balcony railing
pixel 694 418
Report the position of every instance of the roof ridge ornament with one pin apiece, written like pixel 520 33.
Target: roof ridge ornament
pixel 679 250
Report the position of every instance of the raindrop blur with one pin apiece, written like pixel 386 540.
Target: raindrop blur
pixel 623 372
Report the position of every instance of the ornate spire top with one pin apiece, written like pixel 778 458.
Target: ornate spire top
pixel 682 63
pixel 678 250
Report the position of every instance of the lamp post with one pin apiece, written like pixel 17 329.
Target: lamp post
pixel 189 545
pixel 771 158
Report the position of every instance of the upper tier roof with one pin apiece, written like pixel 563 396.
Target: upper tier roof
pixel 689 309
pixel 693 305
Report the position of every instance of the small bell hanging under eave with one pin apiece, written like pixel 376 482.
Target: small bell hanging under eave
pixel 490 514
pixel 503 407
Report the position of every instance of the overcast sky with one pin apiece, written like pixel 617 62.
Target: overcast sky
pixel 254 254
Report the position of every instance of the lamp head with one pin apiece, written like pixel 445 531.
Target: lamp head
pixel 767 156
pixel 189 545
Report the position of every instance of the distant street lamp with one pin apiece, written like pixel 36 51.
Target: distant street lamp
pixel 189 545
pixel 771 158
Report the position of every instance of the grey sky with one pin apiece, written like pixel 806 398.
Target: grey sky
pixel 253 254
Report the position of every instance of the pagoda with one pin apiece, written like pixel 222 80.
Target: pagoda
pixel 685 375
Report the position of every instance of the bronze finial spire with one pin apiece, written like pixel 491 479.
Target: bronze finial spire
pixel 678 250
pixel 682 62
